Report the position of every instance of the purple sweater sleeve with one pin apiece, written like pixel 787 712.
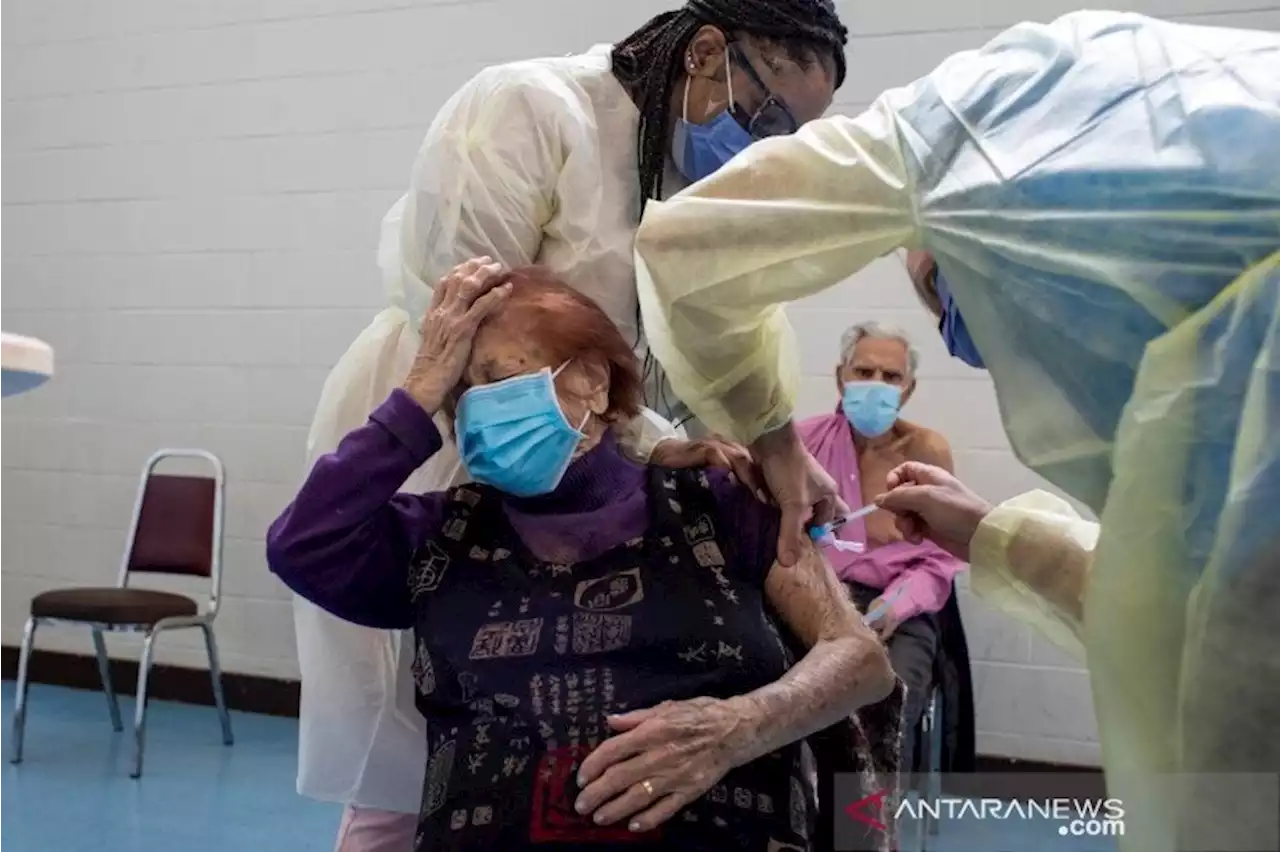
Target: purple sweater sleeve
pixel 346 540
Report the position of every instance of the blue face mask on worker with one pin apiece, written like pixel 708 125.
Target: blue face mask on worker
pixel 871 407
pixel 698 150
pixel 951 326
pixel 514 436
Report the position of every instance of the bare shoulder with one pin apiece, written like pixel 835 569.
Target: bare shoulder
pixel 924 445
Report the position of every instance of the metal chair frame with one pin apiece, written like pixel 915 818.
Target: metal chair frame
pixel 202 620
pixel 928 782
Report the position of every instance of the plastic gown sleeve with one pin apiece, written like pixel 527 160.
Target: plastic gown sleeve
pixel 826 202
pixel 485 183
pixel 1030 558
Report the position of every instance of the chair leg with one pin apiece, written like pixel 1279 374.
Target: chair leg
pixel 215 676
pixel 104 672
pixel 140 704
pixel 923 781
pixel 20 700
pixel 935 753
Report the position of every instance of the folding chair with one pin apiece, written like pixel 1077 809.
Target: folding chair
pixel 177 529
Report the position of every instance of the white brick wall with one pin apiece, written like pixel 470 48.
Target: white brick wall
pixel 191 215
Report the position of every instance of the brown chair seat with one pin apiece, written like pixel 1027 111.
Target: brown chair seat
pixel 111 605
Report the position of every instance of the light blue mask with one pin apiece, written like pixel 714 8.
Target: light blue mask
pixel 871 407
pixel 513 434
pixel 951 325
pixel 698 150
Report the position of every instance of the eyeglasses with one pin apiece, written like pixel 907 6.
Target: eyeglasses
pixel 772 117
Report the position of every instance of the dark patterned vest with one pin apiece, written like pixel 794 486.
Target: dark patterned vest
pixel 518 662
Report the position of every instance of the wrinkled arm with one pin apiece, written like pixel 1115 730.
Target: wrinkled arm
pixel 845 668
pixel 1030 557
pixel 346 541
pixel 785 219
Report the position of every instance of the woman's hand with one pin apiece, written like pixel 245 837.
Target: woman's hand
pixel 666 757
pixel 712 451
pixel 931 503
pixel 804 492
pixel 461 301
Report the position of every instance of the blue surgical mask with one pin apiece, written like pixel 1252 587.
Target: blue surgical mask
pixel 700 149
pixel 952 327
pixel 514 436
pixel 871 407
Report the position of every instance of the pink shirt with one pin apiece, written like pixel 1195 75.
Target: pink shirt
pixel 925 569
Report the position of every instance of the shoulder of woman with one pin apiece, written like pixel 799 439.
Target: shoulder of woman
pixel 540 86
pixel 738 505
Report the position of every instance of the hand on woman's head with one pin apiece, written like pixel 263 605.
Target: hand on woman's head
pixel 461 302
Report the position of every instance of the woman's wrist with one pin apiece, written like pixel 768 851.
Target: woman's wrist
pixel 780 436
pixel 743 744
pixel 425 391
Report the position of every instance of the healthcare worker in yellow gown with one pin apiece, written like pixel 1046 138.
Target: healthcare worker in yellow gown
pixel 1102 198
pixel 544 161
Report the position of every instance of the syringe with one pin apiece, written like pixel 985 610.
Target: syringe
pixel 821 531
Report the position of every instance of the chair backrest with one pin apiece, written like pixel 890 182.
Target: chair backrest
pixel 178 520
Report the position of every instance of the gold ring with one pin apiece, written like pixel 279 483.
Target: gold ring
pixel 648 787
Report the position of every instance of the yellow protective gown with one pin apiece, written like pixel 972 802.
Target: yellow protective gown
pixel 1103 196
pixel 532 162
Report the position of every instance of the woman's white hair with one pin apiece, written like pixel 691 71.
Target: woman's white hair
pixel 878 331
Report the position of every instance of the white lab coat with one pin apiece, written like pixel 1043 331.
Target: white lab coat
pixel 532 162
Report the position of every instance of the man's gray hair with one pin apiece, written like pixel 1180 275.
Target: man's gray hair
pixel 878 331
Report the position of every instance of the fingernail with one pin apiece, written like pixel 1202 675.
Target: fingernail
pixel 582 780
pixel 598 819
pixel 635 826
pixel 580 806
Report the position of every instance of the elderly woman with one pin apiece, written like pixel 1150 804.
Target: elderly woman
pixel 594 649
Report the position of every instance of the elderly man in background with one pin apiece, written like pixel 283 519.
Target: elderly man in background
pixel 859 444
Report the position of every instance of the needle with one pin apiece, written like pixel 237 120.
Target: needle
pixel 820 531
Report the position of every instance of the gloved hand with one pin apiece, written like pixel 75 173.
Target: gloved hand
pixel 931 503
pixel 804 492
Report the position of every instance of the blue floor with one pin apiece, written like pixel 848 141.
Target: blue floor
pixel 73 793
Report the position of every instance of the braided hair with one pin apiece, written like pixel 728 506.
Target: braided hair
pixel 648 62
